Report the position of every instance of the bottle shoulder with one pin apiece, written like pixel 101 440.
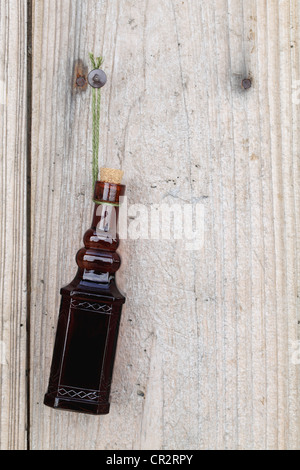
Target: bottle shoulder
pixel 94 291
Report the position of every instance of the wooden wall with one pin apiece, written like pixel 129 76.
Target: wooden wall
pixel 208 355
pixel 13 226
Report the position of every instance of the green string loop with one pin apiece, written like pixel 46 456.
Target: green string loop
pixel 96 104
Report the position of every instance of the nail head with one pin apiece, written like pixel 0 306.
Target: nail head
pixel 97 78
pixel 246 83
pixel 80 81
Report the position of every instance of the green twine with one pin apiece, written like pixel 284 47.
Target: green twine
pixel 106 203
pixel 96 102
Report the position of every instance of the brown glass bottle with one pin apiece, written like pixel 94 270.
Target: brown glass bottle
pixel 89 317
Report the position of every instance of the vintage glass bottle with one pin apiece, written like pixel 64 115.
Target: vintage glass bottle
pixel 89 318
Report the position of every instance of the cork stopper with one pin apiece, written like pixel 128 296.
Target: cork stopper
pixel 111 175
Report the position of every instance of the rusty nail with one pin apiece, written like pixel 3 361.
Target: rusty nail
pixel 246 83
pixel 80 81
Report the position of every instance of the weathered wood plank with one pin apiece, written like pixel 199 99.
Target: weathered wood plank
pixel 13 216
pixel 207 337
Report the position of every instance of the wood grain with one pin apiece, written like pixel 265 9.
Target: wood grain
pixel 13 230
pixel 207 340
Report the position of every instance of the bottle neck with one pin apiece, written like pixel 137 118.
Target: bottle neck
pixel 105 220
pixel 98 260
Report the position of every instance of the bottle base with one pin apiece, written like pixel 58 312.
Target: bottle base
pixel 59 403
